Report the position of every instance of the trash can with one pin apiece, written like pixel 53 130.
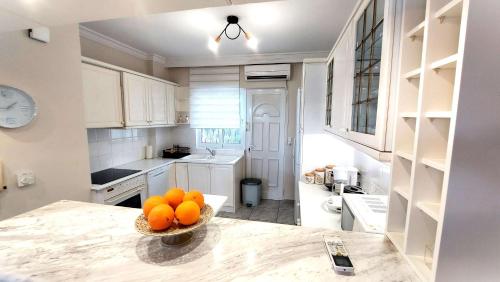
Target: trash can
pixel 251 191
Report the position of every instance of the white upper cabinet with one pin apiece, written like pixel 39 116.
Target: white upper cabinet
pixel 171 112
pixel 102 97
pixel 158 110
pixel 148 102
pixel 136 98
pixel 361 71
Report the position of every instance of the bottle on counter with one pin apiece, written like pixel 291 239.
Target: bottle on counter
pixel 309 177
pixel 319 176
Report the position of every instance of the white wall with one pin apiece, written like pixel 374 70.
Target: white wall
pixel 54 146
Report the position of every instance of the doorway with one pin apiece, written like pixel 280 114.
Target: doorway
pixel 265 139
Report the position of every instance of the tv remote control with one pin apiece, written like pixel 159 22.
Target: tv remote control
pixel 338 255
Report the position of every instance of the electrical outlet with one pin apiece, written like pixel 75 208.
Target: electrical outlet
pixel 25 178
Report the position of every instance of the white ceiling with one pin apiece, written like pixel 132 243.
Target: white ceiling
pixel 23 14
pixel 292 26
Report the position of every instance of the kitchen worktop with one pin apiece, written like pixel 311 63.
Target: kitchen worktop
pixel 313 209
pixel 148 165
pixel 76 241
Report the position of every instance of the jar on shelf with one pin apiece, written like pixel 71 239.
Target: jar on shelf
pixel 309 177
pixel 319 176
pixel 329 174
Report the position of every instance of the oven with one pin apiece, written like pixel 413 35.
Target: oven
pixel 128 193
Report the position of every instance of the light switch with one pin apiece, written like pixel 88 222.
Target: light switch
pixel 289 141
pixel 25 178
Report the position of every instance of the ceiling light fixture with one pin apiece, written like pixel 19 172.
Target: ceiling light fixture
pixel 252 43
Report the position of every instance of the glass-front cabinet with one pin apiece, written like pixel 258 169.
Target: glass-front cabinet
pixel 364 76
pixel 329 94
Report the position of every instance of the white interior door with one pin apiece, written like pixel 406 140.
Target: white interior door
pixel 265 139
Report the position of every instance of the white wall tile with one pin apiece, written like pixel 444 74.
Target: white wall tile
pixel 113 147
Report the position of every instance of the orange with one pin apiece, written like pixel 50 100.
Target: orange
pixel 174 197
pixel 187 213
pixel 195 196
pixel 152 202
pixel 161 217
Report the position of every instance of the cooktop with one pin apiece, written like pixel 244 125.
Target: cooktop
pixel 111 174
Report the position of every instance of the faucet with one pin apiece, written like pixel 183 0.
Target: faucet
pixel 211 151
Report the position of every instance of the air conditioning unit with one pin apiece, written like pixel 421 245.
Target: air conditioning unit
pixel 267 72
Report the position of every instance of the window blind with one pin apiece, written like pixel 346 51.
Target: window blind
pixel 215 97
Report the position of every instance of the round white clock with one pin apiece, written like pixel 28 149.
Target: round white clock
pixel 16 107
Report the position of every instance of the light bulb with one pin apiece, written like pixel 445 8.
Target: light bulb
pixel 213 44
pixel 252 42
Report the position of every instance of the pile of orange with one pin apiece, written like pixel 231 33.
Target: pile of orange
pixel 175 205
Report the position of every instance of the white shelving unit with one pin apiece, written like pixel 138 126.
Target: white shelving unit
pixel 431 55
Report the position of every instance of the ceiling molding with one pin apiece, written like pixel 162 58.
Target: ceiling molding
pixel 157 59
pixel 200 61
pixel 272 58
pixel 93 35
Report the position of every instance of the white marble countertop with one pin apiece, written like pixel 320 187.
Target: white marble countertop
pixel 313 210
pixel 75 241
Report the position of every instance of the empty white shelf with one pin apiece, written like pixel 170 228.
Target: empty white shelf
pixel 397 239
pixel 452 9
pixel 408 114
pixel 434 163
pixel 446 63
pixel 417 31
pixel 403 191
pixel 420 267
pixel 431 209
pixel 439 114
pixel 405 155
pixel 413 74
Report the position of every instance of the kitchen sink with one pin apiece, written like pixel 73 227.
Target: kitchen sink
pixel 206 158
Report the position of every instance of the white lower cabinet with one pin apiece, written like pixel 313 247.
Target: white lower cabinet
pixel 222 181
pixel 199 177
pixel 181 175
pixel 172 182
pixel 215 179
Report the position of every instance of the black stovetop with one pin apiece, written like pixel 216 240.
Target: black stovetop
pixel 111 174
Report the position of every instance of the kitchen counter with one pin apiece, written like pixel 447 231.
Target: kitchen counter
pixel 148 165
pixel 76 241
pixel 313 210
pixel 144 166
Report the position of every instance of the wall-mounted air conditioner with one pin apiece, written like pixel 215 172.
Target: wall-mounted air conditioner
pixel 267 72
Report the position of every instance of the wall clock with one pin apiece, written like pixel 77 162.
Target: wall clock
pixel 17 108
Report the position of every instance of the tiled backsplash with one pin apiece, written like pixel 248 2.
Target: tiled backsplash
pixel 114 147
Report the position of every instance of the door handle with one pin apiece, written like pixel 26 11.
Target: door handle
pixel 251 147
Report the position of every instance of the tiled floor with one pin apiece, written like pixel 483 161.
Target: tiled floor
pixel 268 211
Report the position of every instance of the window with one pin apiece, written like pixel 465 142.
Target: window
pixel 369 31
pixel 224 138
pixel 217 107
